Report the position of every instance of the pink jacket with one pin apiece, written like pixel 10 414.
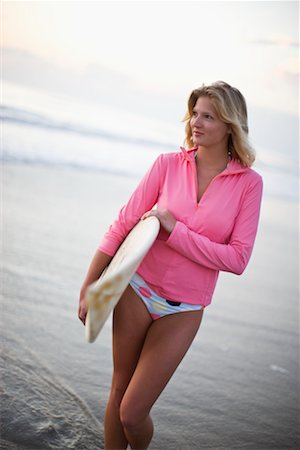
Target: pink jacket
pixel 215 234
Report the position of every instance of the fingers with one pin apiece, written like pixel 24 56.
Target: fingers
pixel 82 318
pixel 82 313
pixel 148 214
pixel 166 219
pixel 159 213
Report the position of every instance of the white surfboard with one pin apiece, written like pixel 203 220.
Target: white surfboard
pixel 104 294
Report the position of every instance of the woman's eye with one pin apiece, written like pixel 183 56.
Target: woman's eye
pixel 208 116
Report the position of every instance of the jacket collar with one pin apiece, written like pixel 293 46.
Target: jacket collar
pixel 189 154
pixel 233 166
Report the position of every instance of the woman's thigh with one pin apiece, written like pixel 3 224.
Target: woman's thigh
pixel 131 322
pixel 166 343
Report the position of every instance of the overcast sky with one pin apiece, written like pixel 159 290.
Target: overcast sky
pixel 166 47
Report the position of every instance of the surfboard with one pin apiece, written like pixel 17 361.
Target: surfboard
pixel 103 295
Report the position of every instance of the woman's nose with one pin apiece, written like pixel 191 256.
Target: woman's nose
pixel 198 121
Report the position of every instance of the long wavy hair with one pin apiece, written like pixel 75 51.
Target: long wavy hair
pixel 231 108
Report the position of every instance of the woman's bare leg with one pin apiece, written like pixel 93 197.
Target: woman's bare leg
pixel 166 343
pixel 131 321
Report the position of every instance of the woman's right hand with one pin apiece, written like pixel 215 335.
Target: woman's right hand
pixel 82 309
pixel 97 265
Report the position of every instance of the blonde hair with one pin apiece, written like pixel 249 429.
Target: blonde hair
pixel 231 108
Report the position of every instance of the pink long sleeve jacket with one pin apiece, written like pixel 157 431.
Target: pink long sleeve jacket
pixel 214 234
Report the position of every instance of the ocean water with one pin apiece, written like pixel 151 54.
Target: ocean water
pixel 41 128
pixel 64 179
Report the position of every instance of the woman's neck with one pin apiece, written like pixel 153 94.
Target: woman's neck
pixel 214 161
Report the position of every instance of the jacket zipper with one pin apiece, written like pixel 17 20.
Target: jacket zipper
pixel 196 183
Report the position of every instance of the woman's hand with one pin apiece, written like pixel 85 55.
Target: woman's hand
pixel 82 309
pixel 97 265
pixel 166 219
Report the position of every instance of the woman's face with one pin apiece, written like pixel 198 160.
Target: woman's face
pixel 207 129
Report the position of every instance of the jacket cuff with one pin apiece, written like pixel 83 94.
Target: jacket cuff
pixel 176 236
pixel 108 247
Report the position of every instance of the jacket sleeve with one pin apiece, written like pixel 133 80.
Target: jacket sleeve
pixel 143 199
pixel 233 256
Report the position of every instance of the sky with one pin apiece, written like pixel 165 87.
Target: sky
pixel 165 48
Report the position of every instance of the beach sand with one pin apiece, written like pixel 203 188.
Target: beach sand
pixel 237 388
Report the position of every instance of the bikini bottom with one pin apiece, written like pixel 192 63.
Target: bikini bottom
pixel 158 306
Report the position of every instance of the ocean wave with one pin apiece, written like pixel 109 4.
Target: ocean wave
pixel 18 116
pixel 26 117
pixel 18 159
pixel 82 147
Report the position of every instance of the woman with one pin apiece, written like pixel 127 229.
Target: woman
pixel 208 201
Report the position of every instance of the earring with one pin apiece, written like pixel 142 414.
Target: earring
pixel 229 155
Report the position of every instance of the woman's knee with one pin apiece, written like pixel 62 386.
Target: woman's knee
pixel 131 416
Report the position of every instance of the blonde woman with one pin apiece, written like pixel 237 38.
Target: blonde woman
pixel 208 202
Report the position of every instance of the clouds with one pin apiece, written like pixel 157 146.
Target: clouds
pixel 96 83
pixel 285 69
pixel 282 40
pixel 160 47
pixel 289 71
pixel 281 50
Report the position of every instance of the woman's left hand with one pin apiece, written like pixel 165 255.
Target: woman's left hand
pixel 166 219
